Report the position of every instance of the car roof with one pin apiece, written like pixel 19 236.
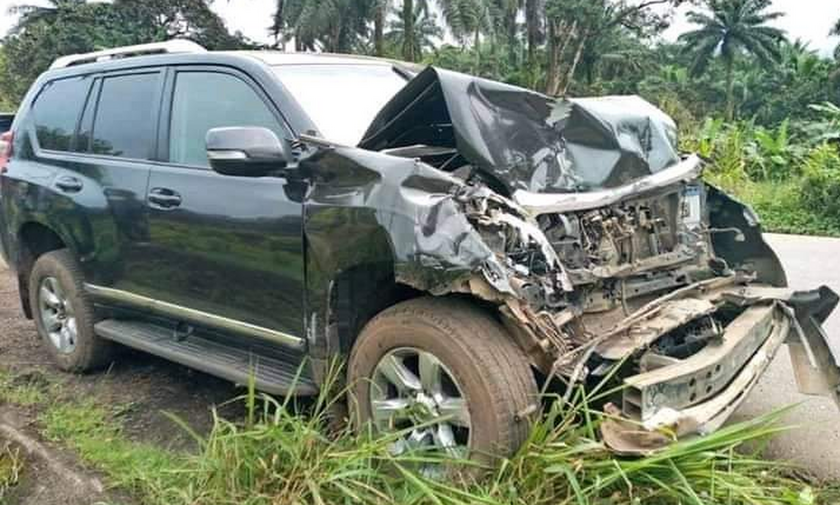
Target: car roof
pixel 279 58
pixel 265 58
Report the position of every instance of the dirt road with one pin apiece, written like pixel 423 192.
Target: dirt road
pixel 148 385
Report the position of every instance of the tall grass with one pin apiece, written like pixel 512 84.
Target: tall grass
pixel 11 467
pixel 283 452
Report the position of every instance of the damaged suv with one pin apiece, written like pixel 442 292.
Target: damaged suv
pixel 460 242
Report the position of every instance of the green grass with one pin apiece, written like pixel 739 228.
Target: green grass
pixel 94 433
pixel 278 455
pixel 11 466
pixel 22 390
pixel 780 209
pixel 778 204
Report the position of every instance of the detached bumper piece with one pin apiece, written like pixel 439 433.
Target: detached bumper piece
pixel 673 397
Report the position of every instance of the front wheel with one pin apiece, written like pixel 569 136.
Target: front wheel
pixel 447 375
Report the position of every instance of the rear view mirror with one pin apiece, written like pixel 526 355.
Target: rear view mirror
pixel 245 151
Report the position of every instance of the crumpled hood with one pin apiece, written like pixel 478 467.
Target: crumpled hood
pixel 526 140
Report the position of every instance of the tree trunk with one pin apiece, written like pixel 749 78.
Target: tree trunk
pixel 477 48
pixel 532 23
pixel 570 75
pixel 298 42
pixel 561 35
pixel 511 36
pixel 408 30
pixel 730 89
pixel 379 28
pixel 551 56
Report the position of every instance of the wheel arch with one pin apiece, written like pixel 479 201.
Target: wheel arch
pixel 35 239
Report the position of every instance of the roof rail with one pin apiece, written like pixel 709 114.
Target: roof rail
pixel 168 47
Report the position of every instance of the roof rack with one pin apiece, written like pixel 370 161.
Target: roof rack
pixel 168 47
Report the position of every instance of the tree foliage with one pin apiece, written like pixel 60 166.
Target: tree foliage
pixel 732 64
pixel 43 33
pixel 729 29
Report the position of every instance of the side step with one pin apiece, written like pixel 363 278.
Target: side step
pixel 272 375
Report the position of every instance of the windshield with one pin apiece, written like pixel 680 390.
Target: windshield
pixel 342 99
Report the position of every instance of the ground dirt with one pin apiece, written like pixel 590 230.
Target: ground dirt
pixel 143 386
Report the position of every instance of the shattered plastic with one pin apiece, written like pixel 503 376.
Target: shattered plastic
pixel 524 139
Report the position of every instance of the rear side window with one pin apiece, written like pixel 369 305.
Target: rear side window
pixel 206 100
pixel 56 112
pixel 124 125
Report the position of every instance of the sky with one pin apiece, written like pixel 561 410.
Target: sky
pixel 809 20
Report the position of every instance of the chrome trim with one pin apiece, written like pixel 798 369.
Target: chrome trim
pixel 544 203
pixel 194 316
pixel 175 46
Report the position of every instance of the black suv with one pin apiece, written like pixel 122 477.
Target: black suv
pixel 459 241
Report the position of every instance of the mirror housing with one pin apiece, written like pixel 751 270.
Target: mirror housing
pixel 245 151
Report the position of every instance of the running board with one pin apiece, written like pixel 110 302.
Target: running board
pixel 272 375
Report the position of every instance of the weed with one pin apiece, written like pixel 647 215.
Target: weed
pixel 24 390
pixel 11 466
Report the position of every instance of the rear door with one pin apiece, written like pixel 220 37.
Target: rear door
pixel 227 251
pixel 83 167
pixel 117 141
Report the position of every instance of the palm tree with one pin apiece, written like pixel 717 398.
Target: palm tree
pixel 380 9
pixel 331 25
pixel 426 31
pixel 729 29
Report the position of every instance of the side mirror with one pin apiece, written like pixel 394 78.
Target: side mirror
pixel 245 151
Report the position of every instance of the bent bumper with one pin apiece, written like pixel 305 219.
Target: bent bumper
pixel 673 398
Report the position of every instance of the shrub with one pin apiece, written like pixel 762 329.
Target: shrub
pixel 821 182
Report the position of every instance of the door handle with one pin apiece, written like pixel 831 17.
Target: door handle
pixel 69 184
pixel 164 198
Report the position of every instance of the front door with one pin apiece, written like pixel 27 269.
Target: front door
pixel 225 250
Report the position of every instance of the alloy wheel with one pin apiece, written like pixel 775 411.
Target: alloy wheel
pixel 57 315
pixel 413 392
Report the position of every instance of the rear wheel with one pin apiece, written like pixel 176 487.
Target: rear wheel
pixel 64 314
pixel 447 375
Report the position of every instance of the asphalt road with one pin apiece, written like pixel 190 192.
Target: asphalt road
pixel 815 443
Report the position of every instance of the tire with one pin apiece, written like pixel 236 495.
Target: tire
pixel 60 273
pixel 491 372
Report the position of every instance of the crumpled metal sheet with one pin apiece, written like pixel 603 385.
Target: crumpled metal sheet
pixel 526 140
pixel 405 212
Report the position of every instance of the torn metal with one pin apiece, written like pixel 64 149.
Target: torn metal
pixel 597 243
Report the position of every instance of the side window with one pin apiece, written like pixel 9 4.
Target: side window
pixel 56 112
pixel 124 125
pixel 206 100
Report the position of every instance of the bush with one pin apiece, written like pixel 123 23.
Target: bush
pixel 793 186
pixel 821 182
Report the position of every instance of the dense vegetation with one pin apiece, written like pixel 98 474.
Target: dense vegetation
pixel 762 107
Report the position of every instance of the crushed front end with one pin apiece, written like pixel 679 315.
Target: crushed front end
pixel 669 280
pixel 600 245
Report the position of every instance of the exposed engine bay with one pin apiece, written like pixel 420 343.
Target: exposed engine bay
pixel 599 244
